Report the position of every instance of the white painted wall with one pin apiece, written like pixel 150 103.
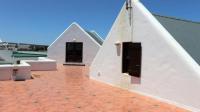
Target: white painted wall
pixel 5 72
pixel 42 64
pixel 168 72
pixel 57 50
pixel 23 71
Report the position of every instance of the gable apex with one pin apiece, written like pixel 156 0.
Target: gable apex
pixel 76 26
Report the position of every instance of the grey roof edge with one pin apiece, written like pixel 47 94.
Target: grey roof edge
pixel 95 36
pixel 174 18
pixel 187 34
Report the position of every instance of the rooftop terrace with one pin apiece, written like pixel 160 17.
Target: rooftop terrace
pixel 70 90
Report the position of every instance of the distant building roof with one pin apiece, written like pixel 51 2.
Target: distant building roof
pixel 21 54
pixel 95 36
pixel 187 33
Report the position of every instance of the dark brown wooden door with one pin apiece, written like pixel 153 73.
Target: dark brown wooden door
pixel 132 58
pixel 74 52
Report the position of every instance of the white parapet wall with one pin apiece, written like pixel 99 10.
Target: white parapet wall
pixel 5 72
pixel 42 64
pixel 23 70
pixel 20 71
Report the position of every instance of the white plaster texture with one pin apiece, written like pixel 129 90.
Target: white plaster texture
pixel 168 71
pixel 7 71
pixel 42 64
pixel 74 32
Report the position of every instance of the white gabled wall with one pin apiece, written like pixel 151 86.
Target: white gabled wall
pixel 168 72
pixel 57 49
pixel 107 63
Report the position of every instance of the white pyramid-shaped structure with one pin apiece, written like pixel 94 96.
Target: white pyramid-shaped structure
pixel 74 33
pixel 168 72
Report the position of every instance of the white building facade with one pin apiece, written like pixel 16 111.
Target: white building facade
pixel 75 46
pixel 166 71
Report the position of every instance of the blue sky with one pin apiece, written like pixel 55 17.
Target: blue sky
pixel 42 21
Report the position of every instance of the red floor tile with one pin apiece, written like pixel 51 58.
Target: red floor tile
pixel 70 90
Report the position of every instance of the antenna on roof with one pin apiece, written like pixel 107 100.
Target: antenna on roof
pixel 129 8
pixel 128 4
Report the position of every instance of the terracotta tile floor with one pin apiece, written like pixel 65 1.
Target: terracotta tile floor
pixel 69 90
